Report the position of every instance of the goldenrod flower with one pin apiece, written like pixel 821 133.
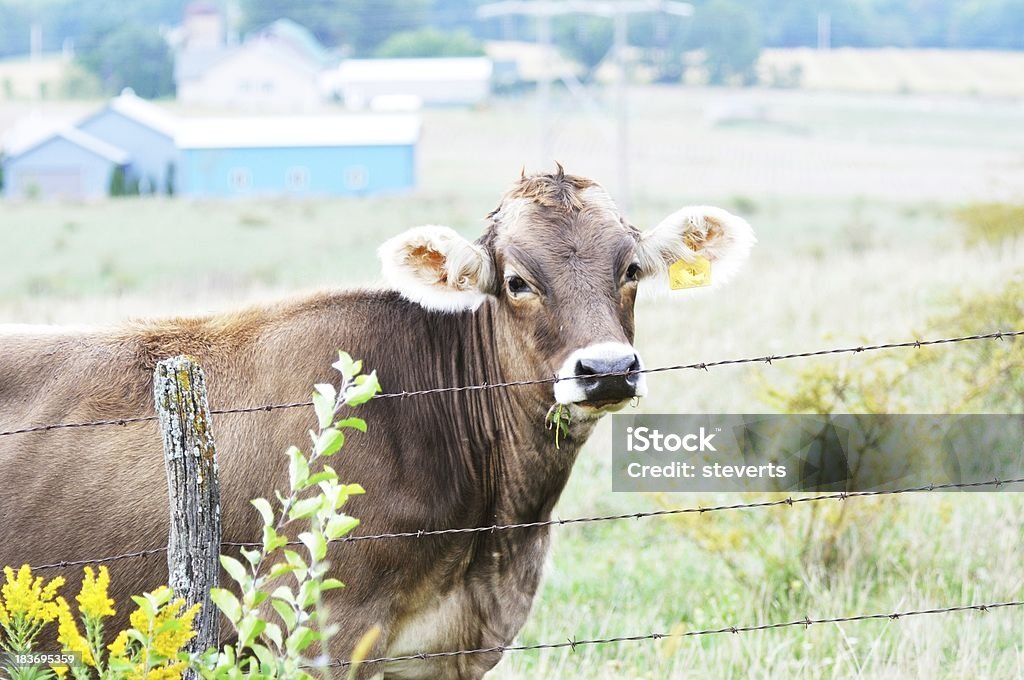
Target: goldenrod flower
pixel 119 645
pixel 5 618
pixel 172 672
pixel 60 671
pixel 93 600
pixel 68 635
pixel 25 595
pixel 168 643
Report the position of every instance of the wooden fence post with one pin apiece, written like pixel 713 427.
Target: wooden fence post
pixel 193 547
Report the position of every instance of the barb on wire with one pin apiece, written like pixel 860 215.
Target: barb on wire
pixel 704 366
pixel 421 533
pixel 573 643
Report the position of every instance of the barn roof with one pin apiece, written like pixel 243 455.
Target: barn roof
pixel 293 131
pixel 82 140
pixel 133 107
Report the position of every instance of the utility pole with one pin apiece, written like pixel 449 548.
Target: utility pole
pixel 618 11
pixel 824 31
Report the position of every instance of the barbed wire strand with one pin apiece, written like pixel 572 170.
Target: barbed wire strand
pixel 573 643
pixel 765 359
pixel 788 501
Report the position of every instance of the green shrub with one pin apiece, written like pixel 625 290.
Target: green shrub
pixel 991 222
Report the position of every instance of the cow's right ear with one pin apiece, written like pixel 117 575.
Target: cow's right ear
pixel 437 269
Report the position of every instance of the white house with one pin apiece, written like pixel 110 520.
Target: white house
pixel 447 81
pixel 276 69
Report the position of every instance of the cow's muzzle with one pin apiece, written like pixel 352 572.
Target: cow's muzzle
pixel 601 376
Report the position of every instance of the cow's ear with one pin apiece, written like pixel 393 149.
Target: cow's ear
pixel 437 269
pixel 696 246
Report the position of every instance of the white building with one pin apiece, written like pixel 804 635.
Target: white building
pixel 277 69
pixel 449 81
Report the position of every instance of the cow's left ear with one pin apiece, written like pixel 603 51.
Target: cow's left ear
pixel 705 244
pixel 436 268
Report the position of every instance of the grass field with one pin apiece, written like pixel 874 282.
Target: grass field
pixel 851 198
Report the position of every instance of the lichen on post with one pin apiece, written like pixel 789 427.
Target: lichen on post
pixel 193 546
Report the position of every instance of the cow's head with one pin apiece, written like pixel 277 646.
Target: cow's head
pixel 559 267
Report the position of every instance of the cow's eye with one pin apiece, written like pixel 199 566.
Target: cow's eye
pixel 517 286
pixel 633 272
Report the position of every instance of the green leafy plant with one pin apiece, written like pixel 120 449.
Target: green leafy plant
pixel 292 581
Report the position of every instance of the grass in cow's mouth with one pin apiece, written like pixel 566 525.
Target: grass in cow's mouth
pixel 558 419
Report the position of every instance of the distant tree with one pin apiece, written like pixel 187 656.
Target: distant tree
pixel 430 42
pixel 728 34
pixel 585 40
pixel 361 24
pixel 130 55
pixel 118 182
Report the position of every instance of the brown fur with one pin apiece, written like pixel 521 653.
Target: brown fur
pixel 446 460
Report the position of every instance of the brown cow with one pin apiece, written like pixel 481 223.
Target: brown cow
pixel 548 289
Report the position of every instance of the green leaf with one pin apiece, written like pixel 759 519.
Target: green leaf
pixel 300 638
pixel 330 442
pixel 339 525
pixel 273 633
pixel 298 468
pixel 145 605
pixel 324 400
pixel 354 423
pixel 285 611
pixel 249 629
pixel 362 389
pixel 307 507
pixel 227 603
pixel 265 656
pixel 315 543
pixel 272 540
pixel 346 366
pixel 251 556
pixel 325 475
pixel 266 512
pixel 331 584
pixel 284 594
pixel 235 570
pixel 280 569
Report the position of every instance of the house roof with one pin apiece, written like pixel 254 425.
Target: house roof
pixel 426 70
pixel 131 106
pixel 301 131
pixel 82 140
pixel 299 38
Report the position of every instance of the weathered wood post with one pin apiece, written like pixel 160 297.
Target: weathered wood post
pixel 193 547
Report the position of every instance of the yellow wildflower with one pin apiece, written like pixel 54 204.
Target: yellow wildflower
pixel 119 645
pixel 68 635
pixel 172 672
pixel 5 618
pixel 167 643
pixel 93 600
pixel 60 671
pixel 25 595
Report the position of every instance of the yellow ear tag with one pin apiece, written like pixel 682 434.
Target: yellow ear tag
pixel 683 274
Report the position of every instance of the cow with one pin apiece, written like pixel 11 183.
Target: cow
pixel 547 291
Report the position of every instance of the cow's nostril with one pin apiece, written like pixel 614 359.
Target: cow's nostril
pixel 585 368
pixel 635 365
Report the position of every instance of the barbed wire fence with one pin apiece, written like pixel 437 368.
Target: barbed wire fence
pixel 767 359
pixel 572 643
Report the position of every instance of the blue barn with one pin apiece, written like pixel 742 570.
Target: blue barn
pixel 145 132
pixel 65 164
pixel 297 155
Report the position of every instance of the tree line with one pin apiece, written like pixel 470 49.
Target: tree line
pixel 127 47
